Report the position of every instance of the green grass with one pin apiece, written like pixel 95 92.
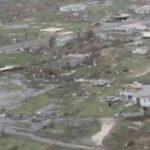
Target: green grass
pixel 21 124
pixel 32 105
pixel 8 34
pixel 10 87
pixel 72 129
pixel 122 5
pixel 21 58
pixel 12 143
pixel 136 63
pixel 143 79
pixel 93 108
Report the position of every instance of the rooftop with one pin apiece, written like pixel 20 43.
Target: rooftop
pixel 122 15
pixel 144 91
pixel 137 89
pixel 65 33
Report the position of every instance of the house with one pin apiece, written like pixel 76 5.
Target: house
pixel 136 93
pixel 64 37
pixel 61 35
pixel 73 8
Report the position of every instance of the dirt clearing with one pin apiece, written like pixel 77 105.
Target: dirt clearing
pixel 107 125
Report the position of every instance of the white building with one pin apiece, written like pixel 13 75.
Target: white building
pixel 136 93
pixel 73 8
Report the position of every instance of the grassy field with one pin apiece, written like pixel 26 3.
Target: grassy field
pixel 32 105
pixel 72 130
pixel 23 58
pixel 12 143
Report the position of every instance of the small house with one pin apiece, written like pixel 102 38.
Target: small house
pixel 136 93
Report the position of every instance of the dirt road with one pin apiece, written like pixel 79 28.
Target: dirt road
pixel 141 73
pixel 145 72
pixel 27 133
pixel 107 125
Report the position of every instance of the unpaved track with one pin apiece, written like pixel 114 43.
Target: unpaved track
pixel 107 125
pixel 147 70
pixel 140 74
pixel 19 132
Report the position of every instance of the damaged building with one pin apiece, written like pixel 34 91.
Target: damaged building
pixel 136 93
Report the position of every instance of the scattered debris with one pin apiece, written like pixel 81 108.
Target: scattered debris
pixel 11 68
pixel 73 8
pixel 94 82
pixel 140 51
pixel 132 114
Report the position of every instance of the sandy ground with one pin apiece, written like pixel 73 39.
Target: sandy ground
pixel 107 125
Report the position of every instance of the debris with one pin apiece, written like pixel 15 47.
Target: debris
pixel 74 60
pixel 68 74
pixel 131 127
pixel 3 115
pixel 73 8
pixel 10 68
pixel 140 50
pixel 94 82
pixel 132 114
